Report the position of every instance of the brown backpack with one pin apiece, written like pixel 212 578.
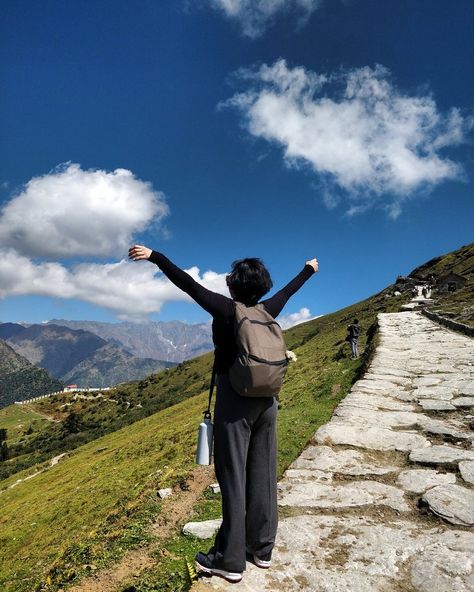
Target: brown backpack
pixel 261 362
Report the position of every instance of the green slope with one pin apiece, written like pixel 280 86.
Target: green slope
pixel 16 419
pixel 78 503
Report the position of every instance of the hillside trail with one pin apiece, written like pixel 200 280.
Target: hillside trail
pixel 175 510
pixel 52 462
pixel 382 500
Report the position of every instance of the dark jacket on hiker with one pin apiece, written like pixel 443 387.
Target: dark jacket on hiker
pixel 353 331
pixel 222 308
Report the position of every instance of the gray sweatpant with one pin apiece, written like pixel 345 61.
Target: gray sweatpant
pixel 245 464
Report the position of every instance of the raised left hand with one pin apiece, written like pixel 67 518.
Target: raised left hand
pixel 139 253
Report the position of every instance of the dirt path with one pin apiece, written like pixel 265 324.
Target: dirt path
pixel 52 462
pixel 175 512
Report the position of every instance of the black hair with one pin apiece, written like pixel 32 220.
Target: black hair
pixel 249 280
pixel 356 321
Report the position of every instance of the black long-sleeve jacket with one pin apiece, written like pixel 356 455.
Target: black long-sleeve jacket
pixel 222 308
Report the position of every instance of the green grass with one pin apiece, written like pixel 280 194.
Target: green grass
pixel 122 406
pixel 16 419
pixel 87 494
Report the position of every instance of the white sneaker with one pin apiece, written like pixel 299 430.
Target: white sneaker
pixel 263 562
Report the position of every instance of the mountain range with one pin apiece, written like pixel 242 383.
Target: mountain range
pixel 77 356
pixel 173 340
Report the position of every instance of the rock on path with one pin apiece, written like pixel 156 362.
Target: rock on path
pixel 385 500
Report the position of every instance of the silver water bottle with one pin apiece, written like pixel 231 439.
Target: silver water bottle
pixel 204 445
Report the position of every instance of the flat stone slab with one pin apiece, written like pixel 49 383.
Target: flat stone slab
pixel 439 393
pixel 437 426
pixel 371 437
pixel 395 380
pixel 306 474
pixel 436 405
pixel 344 462
pixel 441 455
pixel 365 400
pixel 463 402
pixel 357 493
pixel 445 565
pixel 202 530
pixel 385 419
pixel 348 554
pixel 453 503
pixel 420 480
pixel 466 468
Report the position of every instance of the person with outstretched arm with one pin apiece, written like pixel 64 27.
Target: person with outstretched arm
pixel 245 453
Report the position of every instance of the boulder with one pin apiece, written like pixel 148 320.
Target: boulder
pixel 202 530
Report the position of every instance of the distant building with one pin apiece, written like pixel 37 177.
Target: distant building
pixel 70 387
pixel 450 283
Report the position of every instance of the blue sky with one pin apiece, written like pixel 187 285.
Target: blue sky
pixel 215 130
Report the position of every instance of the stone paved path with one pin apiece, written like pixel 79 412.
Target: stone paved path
pixel 384 499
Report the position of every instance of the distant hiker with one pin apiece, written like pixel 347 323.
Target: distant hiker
pixel 414 292
pixel 353 331
pixel 424 292
pixel 244 427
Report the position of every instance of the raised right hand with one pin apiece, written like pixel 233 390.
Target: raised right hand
pixel 314 264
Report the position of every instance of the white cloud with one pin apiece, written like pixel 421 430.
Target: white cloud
pixel 361 135
pixel 290 320
pixel 255 15
pixel 130 289
pixel 72 212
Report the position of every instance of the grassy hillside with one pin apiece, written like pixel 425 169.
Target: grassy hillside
pixel 99 501
pixel 95 416
pixel 16 419
pixel 76 509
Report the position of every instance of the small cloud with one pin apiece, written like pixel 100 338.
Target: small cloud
pixel 255 16
pixel 290 320
pixel 366 141
pixel 71 212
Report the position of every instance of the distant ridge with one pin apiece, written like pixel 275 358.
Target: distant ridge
pixel 77 356
pixel 173 340
pixel 21 380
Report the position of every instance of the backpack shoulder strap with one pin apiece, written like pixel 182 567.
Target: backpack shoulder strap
pixel 207 413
